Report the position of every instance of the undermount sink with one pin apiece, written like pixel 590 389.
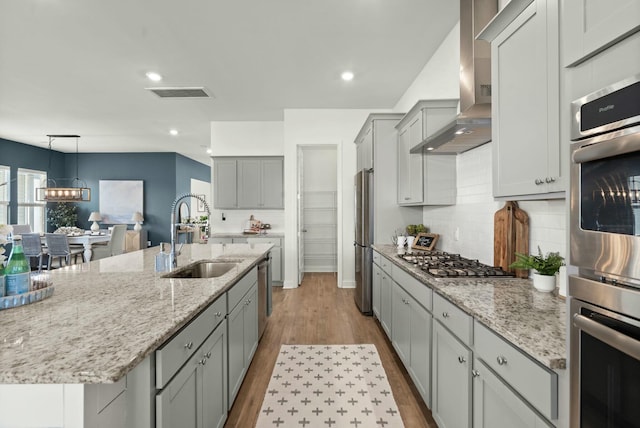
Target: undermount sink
pixel 203 269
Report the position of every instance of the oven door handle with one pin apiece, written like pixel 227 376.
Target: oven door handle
pixel 616 143
pixel 623 343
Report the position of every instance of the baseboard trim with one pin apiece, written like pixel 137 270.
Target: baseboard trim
pixel 348 284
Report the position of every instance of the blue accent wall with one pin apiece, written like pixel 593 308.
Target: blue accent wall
pixel 165 176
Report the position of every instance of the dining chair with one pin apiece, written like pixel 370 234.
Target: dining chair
pixel 58 247
pixel 32 247
pixel 19 229
pixel 115 245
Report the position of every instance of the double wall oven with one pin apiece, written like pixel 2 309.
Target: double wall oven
pixel 605 247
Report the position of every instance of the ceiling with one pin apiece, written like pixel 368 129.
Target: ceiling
pixel 78 66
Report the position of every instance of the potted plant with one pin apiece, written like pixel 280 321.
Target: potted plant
pixel 545 266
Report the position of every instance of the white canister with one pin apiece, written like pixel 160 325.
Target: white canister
pixel 410 242
pixel 402 240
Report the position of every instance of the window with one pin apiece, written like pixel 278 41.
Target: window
pixel 5 190
pixel 31 211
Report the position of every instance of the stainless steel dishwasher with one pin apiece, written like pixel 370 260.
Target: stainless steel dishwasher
pixel 264 293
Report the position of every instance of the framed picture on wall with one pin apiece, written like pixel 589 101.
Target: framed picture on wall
pixel 119 199
pixel 201 208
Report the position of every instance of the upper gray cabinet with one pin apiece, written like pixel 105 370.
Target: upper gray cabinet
pixel 592 26
pixel 425 179
pixel 527 155
pixel 364 148
pixel 248 183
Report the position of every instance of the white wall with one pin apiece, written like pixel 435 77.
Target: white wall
pixel 245 139
pixel 318 127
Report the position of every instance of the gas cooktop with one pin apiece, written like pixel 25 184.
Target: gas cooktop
pixel 446 265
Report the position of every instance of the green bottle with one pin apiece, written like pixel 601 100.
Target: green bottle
pixel 17 272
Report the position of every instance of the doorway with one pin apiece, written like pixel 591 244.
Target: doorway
pixel 317 211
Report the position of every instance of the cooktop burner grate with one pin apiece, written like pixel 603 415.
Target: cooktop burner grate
pixel 446 265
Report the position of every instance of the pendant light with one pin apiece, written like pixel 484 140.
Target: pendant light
pixel 77 191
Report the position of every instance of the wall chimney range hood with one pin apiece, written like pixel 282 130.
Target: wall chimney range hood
pixel 472 127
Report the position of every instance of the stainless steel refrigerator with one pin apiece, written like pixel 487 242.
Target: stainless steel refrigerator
pixel 363 239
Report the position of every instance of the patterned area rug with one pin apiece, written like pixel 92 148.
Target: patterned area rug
pixel 329 386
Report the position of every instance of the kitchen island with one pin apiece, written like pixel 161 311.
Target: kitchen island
pixel 105 319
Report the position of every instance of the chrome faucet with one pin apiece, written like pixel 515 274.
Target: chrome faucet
pixel 173 254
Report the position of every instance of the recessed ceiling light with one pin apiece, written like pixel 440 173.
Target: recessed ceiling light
pixel 429 148
pixel 347 76
pixel 173 132
pixel 152 75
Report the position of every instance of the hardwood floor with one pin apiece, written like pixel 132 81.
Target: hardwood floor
pixel 318 312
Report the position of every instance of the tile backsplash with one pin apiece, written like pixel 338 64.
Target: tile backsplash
pixel 236 220
pixel 467 227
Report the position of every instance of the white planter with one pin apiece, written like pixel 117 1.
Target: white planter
pixel 544 283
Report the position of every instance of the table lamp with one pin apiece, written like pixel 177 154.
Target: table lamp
pixel 137 217
pixel 95 217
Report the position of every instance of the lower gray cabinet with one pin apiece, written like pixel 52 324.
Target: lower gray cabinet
pixel 376 278
pixel 276 255
pixel 411 338
pixel 451 385
pixel 495 405
pixel 243 339
pixel 196 396
pixel 385 302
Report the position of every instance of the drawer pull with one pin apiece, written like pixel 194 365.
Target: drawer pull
pixel 462 360
pixel 202 361
pixel 501 360
pixel 445 315
pixel 218 314
pixel 188 345
pixel 208 354
pixel 475 373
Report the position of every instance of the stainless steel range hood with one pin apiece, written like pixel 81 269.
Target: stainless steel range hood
pixel 472 127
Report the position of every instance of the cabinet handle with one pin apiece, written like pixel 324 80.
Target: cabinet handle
pixel 445 315
pixel 501 360
pixel 462 360
pixel 202 361
pixel 208 354
pixel 218 314
pixel 188 345
pixel 406 199
pixel 539 181
pixel 552 179
pixel 475 373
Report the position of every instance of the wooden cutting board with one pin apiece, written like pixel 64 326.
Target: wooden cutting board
pixel 510 235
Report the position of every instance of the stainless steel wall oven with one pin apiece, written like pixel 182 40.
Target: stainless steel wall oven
pixel 605 247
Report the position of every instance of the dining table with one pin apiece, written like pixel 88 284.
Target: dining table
pixel 87 241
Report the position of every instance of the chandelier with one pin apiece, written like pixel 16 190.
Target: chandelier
pixel 76 191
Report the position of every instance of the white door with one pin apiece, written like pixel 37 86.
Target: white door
pixel 301 229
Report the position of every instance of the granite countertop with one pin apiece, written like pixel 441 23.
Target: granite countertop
pixel 533 321
pixel 106 316
pixel 247 235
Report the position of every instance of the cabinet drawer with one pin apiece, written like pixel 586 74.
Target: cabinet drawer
pixel 535 383
pixel 454 318
pixel 237 292
pixel 274 241
pixel 386 265
pixel 172 355
pixel 419 291
pixel 376 258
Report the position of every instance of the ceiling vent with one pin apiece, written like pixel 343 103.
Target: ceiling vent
pixel 196 92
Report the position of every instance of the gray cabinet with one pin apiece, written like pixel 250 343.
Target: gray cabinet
pixel 527 154
pixel 248 183
pixel 421 176
pixel 451 384
pixel 411 329
pixel 592 26
pixel 376 284
pixel 386 287
pixel 495 405
pixel 225 183
pixel 196 396
pixel 276 255
pixel 243 339
pixel 364 149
